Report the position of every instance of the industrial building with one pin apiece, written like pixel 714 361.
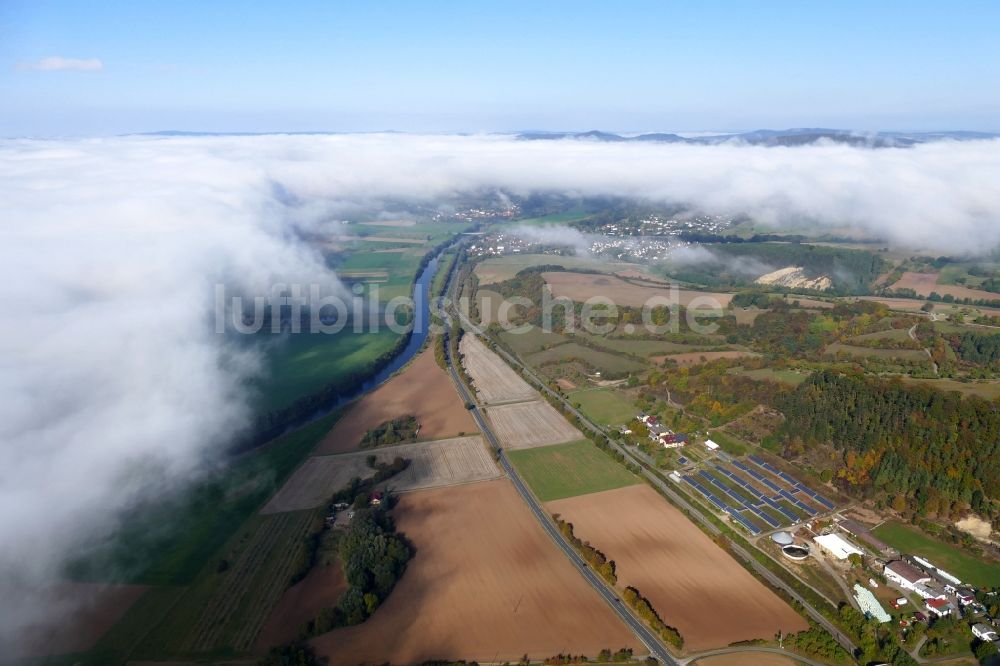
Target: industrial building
pixel 905 575
pixel 837 546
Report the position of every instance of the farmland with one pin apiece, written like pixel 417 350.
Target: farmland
pixel 238 607
pixel 443 462
pixel 498 269
pixel 908 355
pixel 493 379
pixel 950 558
pixel 304 363
pixel 636 346
pixel 533 340
pixel 984 389
pixel 606 406
pixel 220 610
pixel 710 598
pixel 302 602
pixel 924 283
pixel 422 390
pixel 526 424
pixel 694 358
pixel 481 565
pixel 96 608
pixel 190 528
pixel 582 286
pixel 600 361
pixel 567 470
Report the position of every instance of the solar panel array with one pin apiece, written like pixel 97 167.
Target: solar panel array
pixel 714 499
pixel 795 483
pixel 753 492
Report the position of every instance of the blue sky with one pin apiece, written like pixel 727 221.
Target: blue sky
pixel 495 66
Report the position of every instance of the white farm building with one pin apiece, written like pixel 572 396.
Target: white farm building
pixel 837 546
pixel 908 577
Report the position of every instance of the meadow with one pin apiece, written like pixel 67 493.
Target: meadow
pixel 601 361
pixel 567 470
pixel 605 406
pixel 790 377
pixel 908 540
pixel 301 364
pixel 169 544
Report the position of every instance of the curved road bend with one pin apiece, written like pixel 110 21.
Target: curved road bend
pixel 679 500
pixel 736 650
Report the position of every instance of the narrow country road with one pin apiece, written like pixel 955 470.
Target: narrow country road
pixel 659 482
pixel 655 646
pixel 913 336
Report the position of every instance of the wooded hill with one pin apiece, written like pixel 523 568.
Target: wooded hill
pixel 926 447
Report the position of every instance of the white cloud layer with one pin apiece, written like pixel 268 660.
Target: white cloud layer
pixel 60 64
pixel 110 248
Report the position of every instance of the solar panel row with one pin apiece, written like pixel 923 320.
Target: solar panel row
pixel 754 492
pixel 753 529
pixel 795 483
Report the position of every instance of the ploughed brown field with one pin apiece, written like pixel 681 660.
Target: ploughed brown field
pixel 440 463
pixel 486 584
pixel 925 283
pixel 523 425
pixel 694 358
pixel 300 603
pixel 692 583
pixel 423 390
pixel 581 286
pixel 493 379
pixel 93 607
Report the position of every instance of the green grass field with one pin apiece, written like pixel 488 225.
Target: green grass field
pixel 568 470
pixel 168 544
pixel 908 540
pixel 304 363
pixel 784 376
pixel 498 269
pixel 603 361
pixel 638 347
pixel 891 334
pixel 533 340
pixel 604 405
pixel 730 443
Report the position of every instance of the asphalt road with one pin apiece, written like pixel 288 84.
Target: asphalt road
pixel 652 643
pixel 655 646
pixel 655 478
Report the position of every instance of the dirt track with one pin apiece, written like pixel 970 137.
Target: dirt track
pixel 485 584
pixel 440 463
pixel 523 425
pixel 581 286
pixel 748 659
pixel 692 583
pixel 493 379
pixel 423 389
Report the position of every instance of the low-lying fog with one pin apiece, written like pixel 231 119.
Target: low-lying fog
pixel 114 385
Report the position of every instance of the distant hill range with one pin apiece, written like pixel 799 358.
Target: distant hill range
pixel 789 137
